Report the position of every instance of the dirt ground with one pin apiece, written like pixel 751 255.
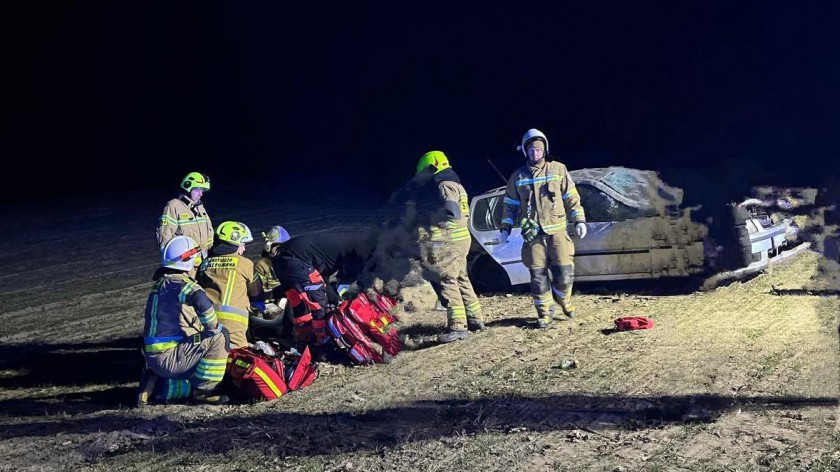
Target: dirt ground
pixel 744 377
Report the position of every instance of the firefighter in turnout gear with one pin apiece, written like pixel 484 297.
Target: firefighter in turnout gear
pixel 445 242
pixel 185 215
pixel 184 344
pixel 540 197
pixel 275 237
pixel 304 265
pixel 230 280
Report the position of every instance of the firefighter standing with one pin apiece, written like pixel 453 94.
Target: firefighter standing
pixel 540 196
pixel 230 281
pixel 184 344
pixel 445 242
pixel 185 215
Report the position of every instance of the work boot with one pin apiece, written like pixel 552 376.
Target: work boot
pixel 209 398
pixel 475 325
pixel 570 311
pixel 147 387
pixel 544 322
pixel 453 335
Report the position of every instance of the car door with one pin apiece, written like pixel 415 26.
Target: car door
pixel 485 222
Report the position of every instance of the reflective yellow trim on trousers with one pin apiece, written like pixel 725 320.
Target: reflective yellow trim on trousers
pixel 457 313
pixel 473 307
pixel 544 299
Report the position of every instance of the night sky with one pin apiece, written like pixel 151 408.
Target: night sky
pixel 136 94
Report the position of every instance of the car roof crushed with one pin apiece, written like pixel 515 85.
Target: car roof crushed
pixel 637 188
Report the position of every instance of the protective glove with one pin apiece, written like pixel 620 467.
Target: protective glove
pixel 580 230
pixel 259 306
pixel 529 230
pixel 503 236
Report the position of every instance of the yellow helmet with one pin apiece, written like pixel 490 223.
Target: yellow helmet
pixel 234 232
pixel 195 180
pixel 433 158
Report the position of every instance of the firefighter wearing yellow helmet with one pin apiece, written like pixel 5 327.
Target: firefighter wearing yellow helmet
pixel 445 242
pixel 230 280
pixel 540 199
pixel 185 214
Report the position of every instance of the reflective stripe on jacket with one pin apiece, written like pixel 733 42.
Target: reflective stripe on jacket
pixel 547 191
pixel 177 308
pixel 182 216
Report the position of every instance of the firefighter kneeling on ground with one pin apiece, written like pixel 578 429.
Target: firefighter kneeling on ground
pixel 185 346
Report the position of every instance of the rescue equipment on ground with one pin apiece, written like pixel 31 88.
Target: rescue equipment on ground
pixel 263 376
pixel 631 323
pixel 363 327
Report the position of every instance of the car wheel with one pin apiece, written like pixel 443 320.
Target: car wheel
pixel 487 275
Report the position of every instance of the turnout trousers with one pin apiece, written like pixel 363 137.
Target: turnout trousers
pixel 456 290
pixel 550 260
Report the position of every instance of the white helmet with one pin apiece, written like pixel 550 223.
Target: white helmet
pixel 276 235
pixel 531 135
pixel 180 253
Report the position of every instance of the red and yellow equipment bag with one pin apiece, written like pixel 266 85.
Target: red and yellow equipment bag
pixel 362 323
pixel 264 377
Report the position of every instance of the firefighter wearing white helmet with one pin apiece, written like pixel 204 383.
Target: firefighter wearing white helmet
pixel 184 343
pixel 230 279
pixel 185 214
pixel 540 199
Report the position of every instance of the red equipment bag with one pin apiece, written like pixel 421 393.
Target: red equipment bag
pixel 377 316
pixel 350 338
pixel 264 377
pixel 630 323
pixel 362 323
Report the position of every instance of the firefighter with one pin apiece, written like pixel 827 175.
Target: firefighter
pixel 540 197
pixel 185 347
pixel 304 265
pixel 186 215
pixel 267 306
pixel 445 242
pixel 230 280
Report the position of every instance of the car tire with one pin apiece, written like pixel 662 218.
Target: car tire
pixel 487 275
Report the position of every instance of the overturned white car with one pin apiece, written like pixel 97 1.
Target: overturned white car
pixel 636 230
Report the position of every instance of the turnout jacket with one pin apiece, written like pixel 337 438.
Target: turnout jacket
pixel 545 193
pixel 441 206
pixel 182 216
pixel 230 281
pixel 331 253
pixel 177 309
pixel 264 270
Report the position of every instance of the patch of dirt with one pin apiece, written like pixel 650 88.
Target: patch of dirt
pixel 744 377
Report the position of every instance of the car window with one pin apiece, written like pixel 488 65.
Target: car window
pixel 599 206
pixel 487 215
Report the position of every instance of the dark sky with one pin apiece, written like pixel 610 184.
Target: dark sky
pixel 136 94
